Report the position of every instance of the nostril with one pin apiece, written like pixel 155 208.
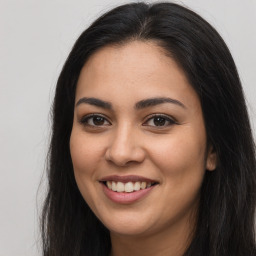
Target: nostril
pixel 124 153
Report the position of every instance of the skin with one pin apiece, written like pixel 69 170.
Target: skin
pixel 127 142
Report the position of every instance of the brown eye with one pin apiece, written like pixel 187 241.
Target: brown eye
pixel 94 120
pixel 98 120
pixel 159 121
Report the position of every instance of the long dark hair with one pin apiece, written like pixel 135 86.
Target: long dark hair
pixel 226 213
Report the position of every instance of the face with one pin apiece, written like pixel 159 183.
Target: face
pixel 138 142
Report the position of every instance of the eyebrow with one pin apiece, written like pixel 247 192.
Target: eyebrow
pixel 139 105
pixel 95 102
pixel 156 101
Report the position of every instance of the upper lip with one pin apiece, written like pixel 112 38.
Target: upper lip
pixel 126 178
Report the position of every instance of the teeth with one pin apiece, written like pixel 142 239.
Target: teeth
pixel 113 186
pixel 143 185
pixel 137 186
pixel 127 187
pixel 120 186
pixel 109 184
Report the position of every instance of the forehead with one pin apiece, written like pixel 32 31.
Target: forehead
pixel 136 70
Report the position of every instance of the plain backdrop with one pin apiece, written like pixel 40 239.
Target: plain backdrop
pixel 35 38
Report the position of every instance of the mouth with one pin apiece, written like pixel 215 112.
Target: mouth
pixel 128 187
pixel 127 184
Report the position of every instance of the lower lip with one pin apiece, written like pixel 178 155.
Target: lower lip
pixel 126 198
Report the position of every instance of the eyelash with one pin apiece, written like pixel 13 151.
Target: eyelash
pixel 166 118
pixel 85 120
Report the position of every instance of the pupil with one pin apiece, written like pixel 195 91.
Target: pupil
pixel 159 121
pixel 97 120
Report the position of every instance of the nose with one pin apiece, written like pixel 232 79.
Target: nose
pixel 125 147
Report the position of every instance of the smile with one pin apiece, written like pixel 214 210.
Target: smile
pixel 127 189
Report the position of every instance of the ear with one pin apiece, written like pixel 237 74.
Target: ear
pixel 211 161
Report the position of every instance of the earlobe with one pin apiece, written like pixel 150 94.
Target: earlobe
pixel 211 161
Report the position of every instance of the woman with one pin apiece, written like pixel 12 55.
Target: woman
pixel 151 151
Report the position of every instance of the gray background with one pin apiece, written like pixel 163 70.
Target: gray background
pixel 36 37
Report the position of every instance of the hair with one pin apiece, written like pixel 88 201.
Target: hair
pixel 225 223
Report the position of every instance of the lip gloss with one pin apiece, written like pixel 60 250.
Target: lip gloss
pixel 124 197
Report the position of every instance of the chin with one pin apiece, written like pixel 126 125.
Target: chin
pixel 126 223
pixel 128 230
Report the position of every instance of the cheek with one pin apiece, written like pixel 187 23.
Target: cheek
pixel 180 156
pixel 181 162
pixel 85 153
pixel 83 158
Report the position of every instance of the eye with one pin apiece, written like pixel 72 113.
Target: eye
pixel 94 120
pixel 160 121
